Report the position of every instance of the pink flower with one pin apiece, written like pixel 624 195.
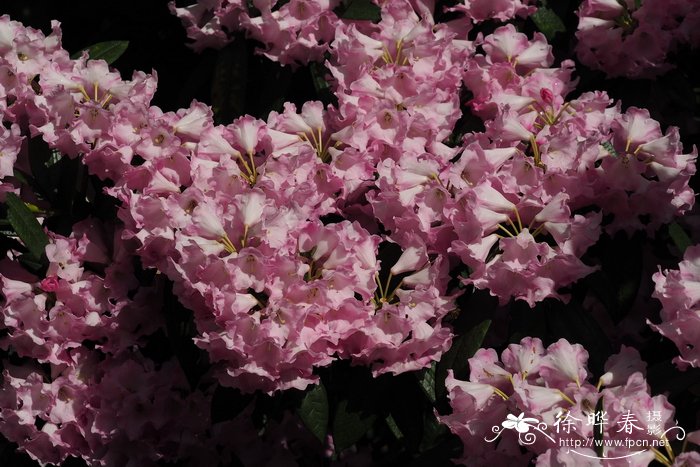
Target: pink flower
pixel 631 39
pixel 508 45
pixel 295 32
pixel 679 293
pixel 503 10
pixel 549 391
pixel 49 284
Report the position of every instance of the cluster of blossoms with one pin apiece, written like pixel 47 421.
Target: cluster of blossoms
pixel 398 85
pixel 680 316
pixel 108 410
pixel 48 317
pixel 502 10
pixel 297 31
pixel 550 391
pixel 77 383
pixel 233 214
pixel 300 31
pixel 534 188
pixel 81 381
pixel 234 220
pixel 10 146
pixel 275 291
pixel 522 202
pixel 634 38
pixel 79 107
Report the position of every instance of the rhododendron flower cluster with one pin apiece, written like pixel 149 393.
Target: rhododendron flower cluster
pixel 551 386
pixel 397 88
pixel 633 39
pixel 503 10
pixel 10 145
pixel 292 32
pixel 677 291
pixel 542 159
pixel 300 31
pixel 48 317
pixel 75 386
pixel 108 410
pixel 275 292
pixel 260 171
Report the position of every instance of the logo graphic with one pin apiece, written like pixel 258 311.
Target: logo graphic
pixel 627 433
pixel 522 425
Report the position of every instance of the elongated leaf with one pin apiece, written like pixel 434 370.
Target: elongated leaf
pixel 463 348
pixel 349 425
pixel 362 10
pixel 393 427
pixel 426 380
pixel 109 51
pixel 548 22
pixel 54 159
pixel 43 177
pixel 314 411
pixel 598 432
pixel 20 176
pixel 318 73
pixel 433 430
pixel 679 237
pixel 323 90
pixel 31 264
pixel 26 225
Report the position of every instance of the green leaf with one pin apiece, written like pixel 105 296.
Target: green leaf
pixel 20 176
pixel 607 145
pixel 349 425
pixel 42 179
pixel 108 51
pixel 679 237
pixel 54 159
pixel 598 431
pixel 314 411
pixel 30 264
pixel 433 430
pixel 548 22
pixel 393 427
pixel 27 227
pixel 463 348
pixel 318 73
pixel 426 380
pixel 362 10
